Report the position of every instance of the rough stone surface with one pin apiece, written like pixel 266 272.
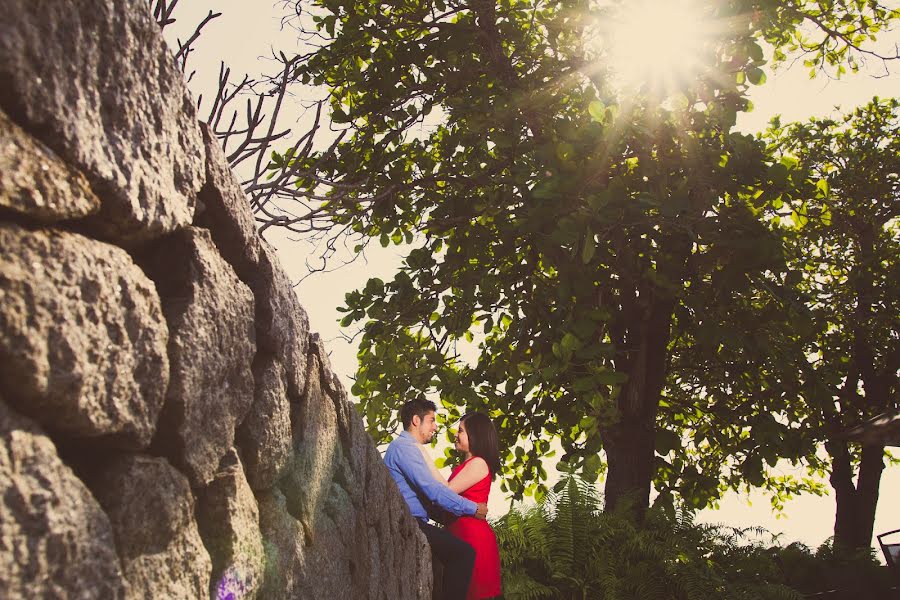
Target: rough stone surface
pixel 330 382
pixel 151 510
pixel 212 342
pixel 264 437
pixel 201 356
pixel 225 211
pixel 358 534
pixel 317 451
pixel 282 323
pixel 55 541
pixel 93 80
pixel 228 516
pixel 82 336
pixel 286 553
pixel 399 557
pixel 35 183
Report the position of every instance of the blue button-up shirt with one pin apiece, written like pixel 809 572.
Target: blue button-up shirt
pixel 407 466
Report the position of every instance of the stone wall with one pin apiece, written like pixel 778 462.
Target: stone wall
pixel 169 427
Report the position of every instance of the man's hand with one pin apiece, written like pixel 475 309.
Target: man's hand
pixel 481 512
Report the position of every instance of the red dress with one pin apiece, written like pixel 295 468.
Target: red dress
pixel 486 573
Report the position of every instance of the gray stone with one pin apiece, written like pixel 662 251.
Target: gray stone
pixel 151 510
pixel 55 541
pixel 35 183
pixel 285 541
pixel 95 82
pixel 225 211
pixel 264 437
pixel 335 389
pixel 212 343
pixel 334 567
pixel 82 336
pixel 317 451
pixel 228 516
pixel 282 323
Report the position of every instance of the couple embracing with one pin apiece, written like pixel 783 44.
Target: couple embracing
pixel 466 547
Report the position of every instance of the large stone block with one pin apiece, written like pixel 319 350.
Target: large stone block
pixel 94 81
pixel 212 344
pixel 332 384
pixel 225 211
pixel 82 336
pixel 151 510
pixel 264 437
pixel 228 516
pixel 283 326
pixel 35 183
pixel 285 541
pixel 282 323
pixel 55 541
pixel 317 450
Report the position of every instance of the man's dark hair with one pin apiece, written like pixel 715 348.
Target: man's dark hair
pixel 417 407
pixel 483 439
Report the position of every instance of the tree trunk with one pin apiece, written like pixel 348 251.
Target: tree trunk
pixel 629 454
pixel 630 443
pixel 854 519
pixel 642 351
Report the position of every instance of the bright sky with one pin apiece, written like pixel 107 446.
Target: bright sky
pixel 243 37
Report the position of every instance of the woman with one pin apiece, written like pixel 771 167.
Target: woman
pixel 477 441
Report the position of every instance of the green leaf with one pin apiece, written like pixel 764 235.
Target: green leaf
pixel 565 151
pixel 597 110
pixel 666 441
pixel 610 378
pixel 588 248
pixel 570 342
pixel 756 76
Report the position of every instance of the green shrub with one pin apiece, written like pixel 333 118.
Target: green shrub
pixel 568 548
pixel 829 568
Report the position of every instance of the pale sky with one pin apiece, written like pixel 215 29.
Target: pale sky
pixel 244 35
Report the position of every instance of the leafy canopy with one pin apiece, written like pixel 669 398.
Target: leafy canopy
pixel 551 228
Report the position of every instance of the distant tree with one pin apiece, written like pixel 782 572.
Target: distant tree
pixel 562 237
pixel 811 349
pixel 844 256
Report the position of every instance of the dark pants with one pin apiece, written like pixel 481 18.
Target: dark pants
pixel 457 557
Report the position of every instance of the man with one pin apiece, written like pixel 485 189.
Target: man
pixel 406 463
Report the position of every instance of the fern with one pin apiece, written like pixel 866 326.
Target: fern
pixel 567 548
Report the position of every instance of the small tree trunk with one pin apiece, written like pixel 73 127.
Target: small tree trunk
pixel 630 443
pixel 854 519
pixel 629 453
pixel 642 339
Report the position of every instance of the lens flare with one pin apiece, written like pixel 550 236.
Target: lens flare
pixel 656 46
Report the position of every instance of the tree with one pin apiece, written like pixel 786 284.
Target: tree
pixel 255 121
pixel 811 349
pixel 845 244
pixel 562 226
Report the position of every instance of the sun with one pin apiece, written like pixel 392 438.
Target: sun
pixel 657 45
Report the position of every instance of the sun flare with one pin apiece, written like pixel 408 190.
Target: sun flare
pixel 657 45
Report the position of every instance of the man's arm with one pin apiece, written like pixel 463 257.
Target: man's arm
pixel 417 473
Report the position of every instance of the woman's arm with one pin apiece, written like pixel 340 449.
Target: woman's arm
pixel 474 471
pixel 431 467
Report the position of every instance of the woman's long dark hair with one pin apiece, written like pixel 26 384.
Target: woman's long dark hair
pixel 483 440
